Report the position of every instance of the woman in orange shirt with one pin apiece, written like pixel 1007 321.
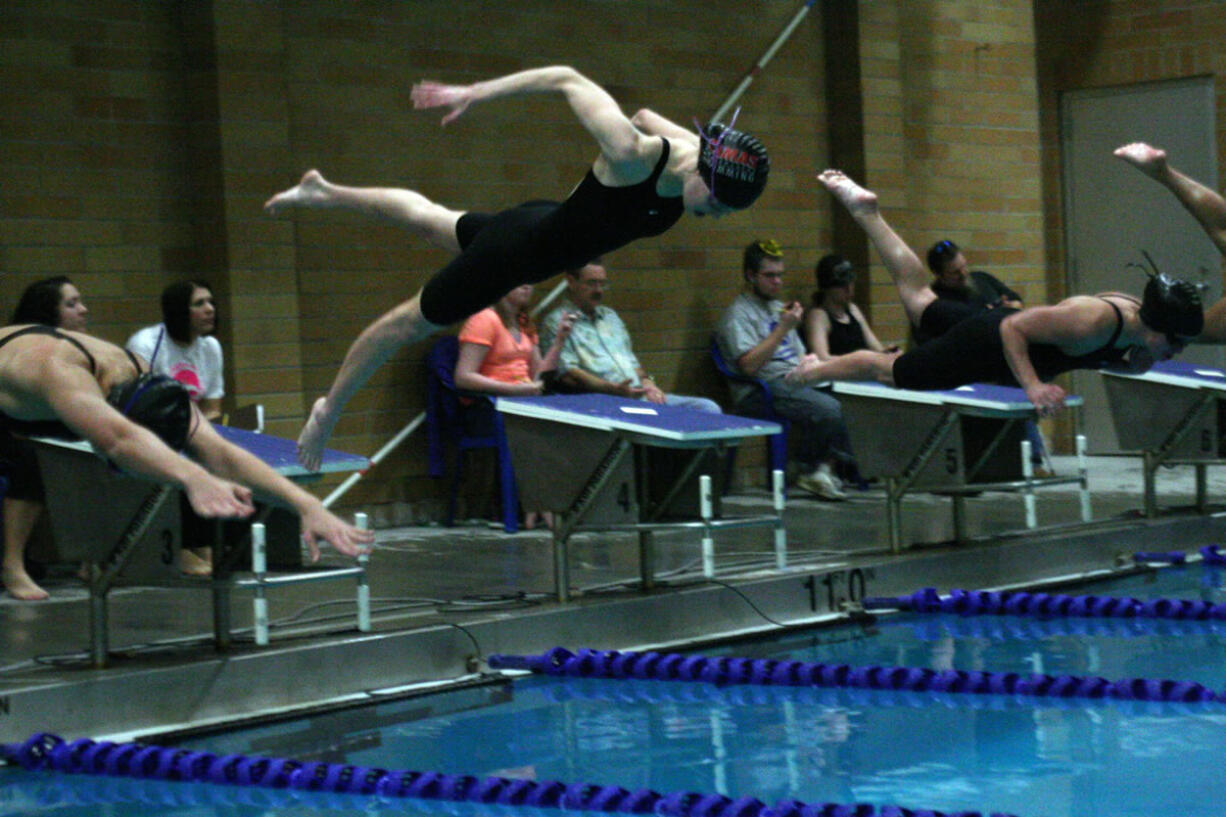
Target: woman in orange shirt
pixel 499 354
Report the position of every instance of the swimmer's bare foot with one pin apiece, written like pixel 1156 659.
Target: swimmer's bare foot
pixel 855 198
pixel 1148 159
pixel 314 436
pixel 20 586
pixel 312 191
pixel 805 370
pixel 192 565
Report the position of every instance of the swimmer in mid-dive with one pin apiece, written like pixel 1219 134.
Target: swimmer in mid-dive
pixel 1026 347
pixel 58 383
pixel 1205 204
pixel 649 171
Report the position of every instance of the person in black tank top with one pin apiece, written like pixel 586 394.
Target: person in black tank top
pixel 65 382
pixel 1028 347
pixel 834 325
pixel 649 172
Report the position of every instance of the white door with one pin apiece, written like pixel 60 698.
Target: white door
pixel 1112 211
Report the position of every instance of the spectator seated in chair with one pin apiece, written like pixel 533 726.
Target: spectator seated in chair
pixel 757 337
pixel 183 347
pixel 499 355
pixel 598 356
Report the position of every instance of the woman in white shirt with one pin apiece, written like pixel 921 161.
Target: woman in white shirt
pixel 183 346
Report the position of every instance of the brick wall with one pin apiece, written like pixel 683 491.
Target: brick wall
pixel 95 181
pixel 951 142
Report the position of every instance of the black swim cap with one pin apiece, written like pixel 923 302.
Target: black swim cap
pixel 158 403
pixel 1172 306
pixel 834 271
pixel 734 165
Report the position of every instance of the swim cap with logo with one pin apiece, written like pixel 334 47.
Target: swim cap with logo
pixel 734 165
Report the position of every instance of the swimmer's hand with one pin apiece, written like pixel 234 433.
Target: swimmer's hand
pixel 430 94
pixel 320 523
pixel 213 497
pixel 1048 398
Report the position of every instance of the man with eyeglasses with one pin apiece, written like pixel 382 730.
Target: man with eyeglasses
pixel 598 355
pixel 757 335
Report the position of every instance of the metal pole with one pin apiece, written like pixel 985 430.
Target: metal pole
pixel 708 541
pixel 775 45
pixel 362 522
pixel 781 535
pixel 1084 473
pixel 378 457
pixel 259 568
pixel 1032 517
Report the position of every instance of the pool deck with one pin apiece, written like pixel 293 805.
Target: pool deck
pixel 444 599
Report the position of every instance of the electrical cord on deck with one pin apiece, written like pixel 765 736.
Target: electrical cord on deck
pixel 749 601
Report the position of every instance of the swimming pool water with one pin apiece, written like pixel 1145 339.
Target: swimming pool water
pixel 1031 757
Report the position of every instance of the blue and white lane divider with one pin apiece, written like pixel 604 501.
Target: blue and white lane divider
pixel 1048 605
pixel 725 670
pixel 47 752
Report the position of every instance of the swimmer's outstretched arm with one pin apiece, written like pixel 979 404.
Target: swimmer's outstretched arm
pixel 225 459
pixel 73 394
pixel 620 141
pixel 1205 204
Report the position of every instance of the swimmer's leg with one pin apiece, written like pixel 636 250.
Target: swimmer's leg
pixel 1205 204
pixel 20 515
pixel 377 342
pixel 405 208
pixel 903 264
pixel 863 364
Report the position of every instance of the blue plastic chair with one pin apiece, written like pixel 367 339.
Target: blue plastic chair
pixel 475 426
pixel 776 444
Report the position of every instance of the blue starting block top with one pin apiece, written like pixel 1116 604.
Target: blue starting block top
pixel 282 454
pixel 1182 373
pixel 608 413
pixel 981 398
pixel 277 452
